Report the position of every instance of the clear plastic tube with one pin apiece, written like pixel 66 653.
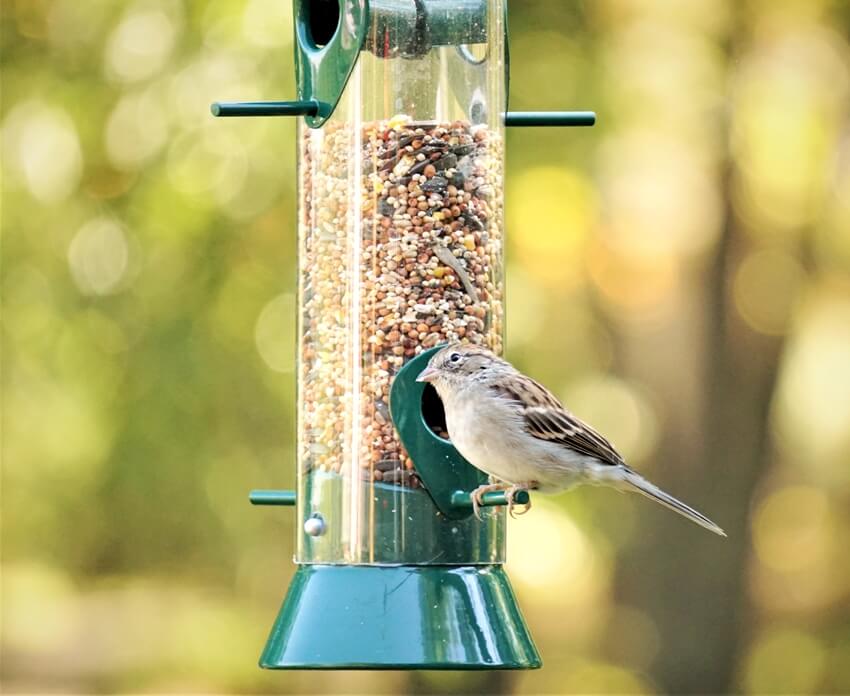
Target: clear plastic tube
pixel 400 249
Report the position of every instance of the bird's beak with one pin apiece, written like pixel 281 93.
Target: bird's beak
pixel 427 375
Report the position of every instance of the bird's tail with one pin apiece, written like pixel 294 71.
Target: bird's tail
pixel 644 487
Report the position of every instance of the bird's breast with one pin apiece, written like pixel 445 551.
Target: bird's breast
pixel 489 434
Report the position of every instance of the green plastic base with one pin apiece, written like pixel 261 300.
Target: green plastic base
pixel 400 617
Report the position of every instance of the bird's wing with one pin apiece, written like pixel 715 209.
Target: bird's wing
pixel 546 419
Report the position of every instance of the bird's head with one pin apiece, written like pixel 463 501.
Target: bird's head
pixel 458 364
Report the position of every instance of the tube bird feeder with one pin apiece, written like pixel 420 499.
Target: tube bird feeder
pixel 403 108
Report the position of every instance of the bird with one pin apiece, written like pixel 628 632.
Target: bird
pixel 514 429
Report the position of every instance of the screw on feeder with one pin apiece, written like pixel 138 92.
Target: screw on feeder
pixel 315 525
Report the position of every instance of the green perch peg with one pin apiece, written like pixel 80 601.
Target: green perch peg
pixel 263 497
pixel 463 499
pixel 549 118
pixel 309 107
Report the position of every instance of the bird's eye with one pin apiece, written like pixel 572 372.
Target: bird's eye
pixel 454 357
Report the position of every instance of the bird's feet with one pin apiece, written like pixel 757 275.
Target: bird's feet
pixel 476 495
pixel 510 494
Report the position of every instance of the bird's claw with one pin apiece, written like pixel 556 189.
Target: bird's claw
pixel 510 494
pixel 477 496
pixel 476 504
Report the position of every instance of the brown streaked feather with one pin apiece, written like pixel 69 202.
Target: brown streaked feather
pixel 546 419
pixel 526 391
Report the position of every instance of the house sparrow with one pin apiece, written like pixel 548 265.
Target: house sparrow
pixel 514 429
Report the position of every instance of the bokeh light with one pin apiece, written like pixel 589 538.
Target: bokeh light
pixel 619 410
pixel 274 333
pixel 42 150
pixel 637 290
pixel 555 209
pixel 788 105
pixel 549 554
pixel 98 256
pixel 661 198
pixel 136 130
pixel 792 529
pixel 632 638
pixel 767 284
pixel 784 660
pixel 43 614
pixel 798 565
pixel 812 408
pixel 141 43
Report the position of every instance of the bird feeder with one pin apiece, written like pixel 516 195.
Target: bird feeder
pixel 401 250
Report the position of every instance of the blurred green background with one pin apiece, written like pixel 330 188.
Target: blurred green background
pixel 679 275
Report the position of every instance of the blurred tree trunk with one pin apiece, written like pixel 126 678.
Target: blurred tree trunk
pixel 716 379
